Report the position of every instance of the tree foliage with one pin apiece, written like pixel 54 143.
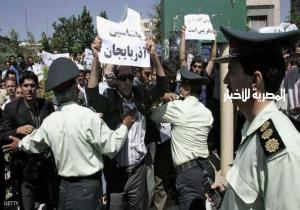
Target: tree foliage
pixel 65 34
pixel 5 50
pixel 157 22
pixel 73 34
pixel 45 42
pixel 295 12
pixel 30 37
pixel 103 14
pixel 14 36
pixel 45 94
pixel 86 32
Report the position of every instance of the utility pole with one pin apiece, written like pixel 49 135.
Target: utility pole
pixel 47 25
pixel 227 120
pixel 26 22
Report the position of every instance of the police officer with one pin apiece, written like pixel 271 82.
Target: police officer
pixel 77 137
pixel 265 172
pixel 191 122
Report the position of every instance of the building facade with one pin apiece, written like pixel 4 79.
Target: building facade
pixel 262 13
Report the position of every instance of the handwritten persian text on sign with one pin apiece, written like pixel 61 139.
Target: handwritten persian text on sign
pixel 122 43
pixel 127 53
pixel 198 27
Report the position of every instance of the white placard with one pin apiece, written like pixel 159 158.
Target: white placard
pixel 88 59
pixel 283 27
pixel 119 52
pixel 123 43
pixel 198 27
pixel 130 28
pixel 37 69
pixel 271 29
pixel 49 57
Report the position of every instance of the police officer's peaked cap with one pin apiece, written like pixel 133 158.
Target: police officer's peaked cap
pixel 247 43
pixel 190 77
pixel 61 71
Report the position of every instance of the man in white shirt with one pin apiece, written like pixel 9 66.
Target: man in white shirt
pixel 77 137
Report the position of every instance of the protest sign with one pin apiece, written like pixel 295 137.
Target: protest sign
pixel 128 53
pixel 49 57
pixel 88 59
pixel 198 27
pixel 283 27
pixel 123 43
pixel 130 28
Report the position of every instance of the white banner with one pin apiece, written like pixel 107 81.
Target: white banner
pixel 123 43
pixel 128 53
pixel 49 57
pixel 88 59
pixel 283 27
pixel 130 28
pixel 198 27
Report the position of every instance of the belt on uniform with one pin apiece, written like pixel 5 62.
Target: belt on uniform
pixel 190 164
pixel 96 175
pixel 131 169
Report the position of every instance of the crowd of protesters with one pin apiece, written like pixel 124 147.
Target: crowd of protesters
pixel 172 106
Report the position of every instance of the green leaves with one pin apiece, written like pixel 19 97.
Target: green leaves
pixel 295 12
pixel 73 34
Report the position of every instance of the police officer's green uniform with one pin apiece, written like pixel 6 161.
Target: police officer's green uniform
pixel 266 169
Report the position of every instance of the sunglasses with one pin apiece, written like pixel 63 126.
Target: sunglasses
pixel 124 77
pixel 197 66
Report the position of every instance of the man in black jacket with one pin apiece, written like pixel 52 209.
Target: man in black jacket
pixel 2 172
pixel 126 173
pixel 34 174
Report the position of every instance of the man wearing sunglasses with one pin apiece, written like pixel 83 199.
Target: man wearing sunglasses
pixel 126 173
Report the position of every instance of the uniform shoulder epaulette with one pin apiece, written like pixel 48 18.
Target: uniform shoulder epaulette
pixel 270 140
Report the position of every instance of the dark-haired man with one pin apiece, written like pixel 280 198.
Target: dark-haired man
pixel 265 172
pixel 126 173
pixel 30 64
pixel 78 140
pixel 34 174
pixel 14 67
pixel 7 67
pixel 198 66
